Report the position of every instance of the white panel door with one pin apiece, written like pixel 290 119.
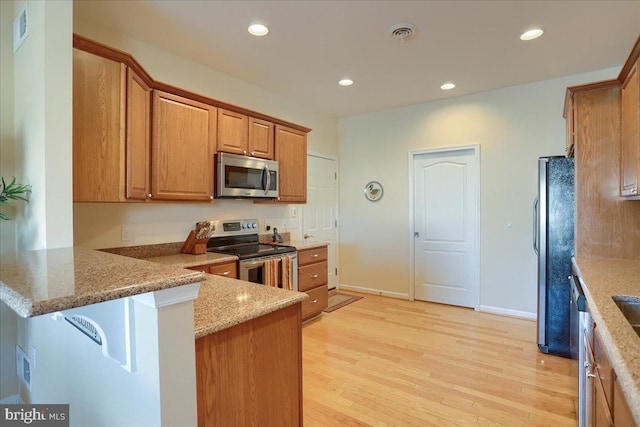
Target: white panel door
pixel 319 214
pixel 446 211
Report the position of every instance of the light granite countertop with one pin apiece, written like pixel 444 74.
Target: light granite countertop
pixel 602 279
pixel 189 260
pixel 302 244
pixel 223 303
pixel 49 280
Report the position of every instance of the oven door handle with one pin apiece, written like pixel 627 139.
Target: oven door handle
pixel 245 263
pixel 251 263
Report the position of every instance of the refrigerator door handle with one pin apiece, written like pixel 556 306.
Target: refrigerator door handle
pixel 536 224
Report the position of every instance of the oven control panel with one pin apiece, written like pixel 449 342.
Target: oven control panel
pixel 236 227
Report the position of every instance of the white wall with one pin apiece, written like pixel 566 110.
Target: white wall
pixel 42 125
pixel 8 319
pixel 514 126
pixel 99 225
pixel 35 142
pixel 7 168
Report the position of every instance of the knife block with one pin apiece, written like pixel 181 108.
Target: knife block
pixel 193 245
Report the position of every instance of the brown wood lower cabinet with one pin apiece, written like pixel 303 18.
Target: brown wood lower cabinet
pixel 227 269
pixel 251 374
pixel 606 405
pixel 312 279
pixel 317 301
pixel 621 412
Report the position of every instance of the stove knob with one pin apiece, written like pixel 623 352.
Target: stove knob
pixel 254 225
pixel 244 225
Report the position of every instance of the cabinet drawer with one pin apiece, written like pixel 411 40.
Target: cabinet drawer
pixel 318 301
pixel 312 276
pixel 227 269
pixel 308 256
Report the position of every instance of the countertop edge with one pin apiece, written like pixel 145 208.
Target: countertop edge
pixel 25 307
pixel 227 323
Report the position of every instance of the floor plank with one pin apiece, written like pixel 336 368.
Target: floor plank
pixel 388 362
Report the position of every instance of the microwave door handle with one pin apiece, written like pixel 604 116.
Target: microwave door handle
pixel 268 174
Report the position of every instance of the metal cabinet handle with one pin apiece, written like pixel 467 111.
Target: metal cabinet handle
pixel 210 197
pixel 315 255
pixel 253 153
pixel 149 195
pixel 536 247
pixel 314 276
pixel 315 301
pixel 590 375
pixel 226 273
pixel 244 152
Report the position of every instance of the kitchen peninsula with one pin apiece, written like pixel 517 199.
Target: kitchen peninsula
pixel 157 314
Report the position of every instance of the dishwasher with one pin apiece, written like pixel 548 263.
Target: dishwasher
pixel 580 334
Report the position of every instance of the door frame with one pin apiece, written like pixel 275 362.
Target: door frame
pixel 411 239
pixel 336 230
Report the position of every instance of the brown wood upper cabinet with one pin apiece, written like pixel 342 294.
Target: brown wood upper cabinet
pixel 111 131
pixel 291 154
pixel 184 139
pixel 244 135
pixel 630 148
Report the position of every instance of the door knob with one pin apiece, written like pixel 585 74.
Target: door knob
pixel 416 234
pixel 306 236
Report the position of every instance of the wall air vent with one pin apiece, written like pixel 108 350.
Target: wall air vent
pixel 20 28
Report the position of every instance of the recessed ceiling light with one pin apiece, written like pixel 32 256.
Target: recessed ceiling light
pixel 531 34
pixel 447 86
pixel 345 82
pixel 258 30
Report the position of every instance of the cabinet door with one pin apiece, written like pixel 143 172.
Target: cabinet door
pixel 138 137
pixel 291 154
pixel 630 149
pixel 233 132
pixel 98 128
pixel 621 412
pixel 261 134
pixel 183 144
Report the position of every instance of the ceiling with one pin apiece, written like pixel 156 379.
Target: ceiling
pixel 313 44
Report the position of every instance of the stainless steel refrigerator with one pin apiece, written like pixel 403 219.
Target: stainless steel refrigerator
pixel 553 241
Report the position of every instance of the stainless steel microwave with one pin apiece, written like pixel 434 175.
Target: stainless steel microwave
pixel 242 177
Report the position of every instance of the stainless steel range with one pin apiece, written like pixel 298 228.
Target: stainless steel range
pixel 274 265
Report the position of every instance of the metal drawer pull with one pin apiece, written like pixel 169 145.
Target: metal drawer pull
pixel 315 301
pixel 590 375
pixel 226 273
pixel 315 255
pixel 314 276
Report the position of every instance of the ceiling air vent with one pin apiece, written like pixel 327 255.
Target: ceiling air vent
pixel 403 31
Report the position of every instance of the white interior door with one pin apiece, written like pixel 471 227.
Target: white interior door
pixel 446 186
pixel 319 214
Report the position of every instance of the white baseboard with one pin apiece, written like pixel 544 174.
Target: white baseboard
pixel 508 312
pixel 373 291
pixel 11 400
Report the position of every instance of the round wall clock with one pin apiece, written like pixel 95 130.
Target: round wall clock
pixel 373 191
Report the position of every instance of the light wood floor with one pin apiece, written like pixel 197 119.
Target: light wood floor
pixel 387 362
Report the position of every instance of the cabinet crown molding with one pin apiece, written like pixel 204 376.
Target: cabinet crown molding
pixel 96 48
